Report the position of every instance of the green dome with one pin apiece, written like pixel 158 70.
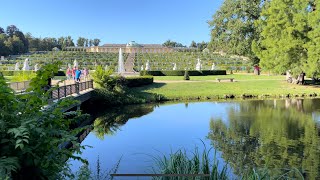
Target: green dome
pixel 133 44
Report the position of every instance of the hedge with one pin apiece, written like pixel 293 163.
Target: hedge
pixel 181 73
pixel 138 81
pixel 12 73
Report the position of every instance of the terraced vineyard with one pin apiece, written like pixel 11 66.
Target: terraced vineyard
pixel 188 60
pixel 85 59
pixel 157 61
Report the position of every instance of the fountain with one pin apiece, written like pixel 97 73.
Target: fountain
pixel 36 67
pixel 174 66
pixel 213 67
pixel 26 65
pixel 198 66
pixel 121 69
pixel 75 63
pixel 147 66
pixel 16 68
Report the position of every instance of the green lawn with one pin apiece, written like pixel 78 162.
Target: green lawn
pixel 274 86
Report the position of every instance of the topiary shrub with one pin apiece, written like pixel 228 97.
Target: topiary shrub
pixel 186 76
pixel 138 81
pixel 181 73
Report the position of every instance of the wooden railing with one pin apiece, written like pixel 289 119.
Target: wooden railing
pixel 64 91
pixel 60 92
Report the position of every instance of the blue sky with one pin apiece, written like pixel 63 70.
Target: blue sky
pixel 113 21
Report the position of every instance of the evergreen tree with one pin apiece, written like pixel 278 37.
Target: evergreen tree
pixel 313 66
pixel 283 36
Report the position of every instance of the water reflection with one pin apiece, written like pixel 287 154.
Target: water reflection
pixel 111 121
pixel 273 134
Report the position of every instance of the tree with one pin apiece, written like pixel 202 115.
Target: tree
pixel 69 41
pixel 283 36
pixel 312 67
pixel 170 43
pixel 90 42
pixel 81 42
pixel 14 44
pixel 193 44
pixel 96 42
pixel 4 50
pixel 1 30
pixel 232 27
pixel 11 30
pixel 32 137
pixel 24 41
pixel 86 44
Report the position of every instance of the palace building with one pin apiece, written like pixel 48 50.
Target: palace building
pixel 131 47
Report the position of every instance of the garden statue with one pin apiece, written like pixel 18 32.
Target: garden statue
pixel 198 66
pixel 26 65
pixel 213 67
pixel 174 66
pixel 36 68
pixel 147 66
pixel 75 63
pixel 106 68
pixel 16 68
pixel 141 68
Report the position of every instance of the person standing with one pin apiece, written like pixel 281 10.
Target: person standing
pixel 78 74
pixel 69 73
pixel 74 73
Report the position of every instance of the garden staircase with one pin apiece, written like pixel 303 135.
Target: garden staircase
pixel 129 64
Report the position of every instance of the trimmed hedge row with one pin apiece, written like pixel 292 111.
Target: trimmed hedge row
pixel 13 73
pixel 138 81
pixel 181 73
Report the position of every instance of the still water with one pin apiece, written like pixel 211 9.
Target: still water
pixel 272 134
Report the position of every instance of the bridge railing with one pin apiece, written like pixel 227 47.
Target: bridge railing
pixel 64 91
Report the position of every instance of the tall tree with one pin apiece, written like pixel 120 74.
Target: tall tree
pixel 24 41
pixel 69 41
pixel 4 50
pixel 96 42
pixel 81 42
pixel 90 42
pixel 232 27
pixel 283 36
pixel 11 30
pixel 170 43
pixel 313 66
pixel 193 44
pixel 1 30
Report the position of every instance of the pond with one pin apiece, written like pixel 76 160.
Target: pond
pixel 271 134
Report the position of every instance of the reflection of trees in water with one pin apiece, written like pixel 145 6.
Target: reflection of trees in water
pixel 112 120
pixel 260 135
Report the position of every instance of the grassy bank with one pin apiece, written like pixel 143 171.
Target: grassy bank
pixel 206 87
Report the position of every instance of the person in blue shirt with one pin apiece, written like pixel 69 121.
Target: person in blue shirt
pixel 78 74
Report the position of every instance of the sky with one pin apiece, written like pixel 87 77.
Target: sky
pixel 113 21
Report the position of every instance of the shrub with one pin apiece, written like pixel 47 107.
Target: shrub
pixel 186 76
pixel 13 73
pixel 138 81
pixel 182 72
pixel 32 136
